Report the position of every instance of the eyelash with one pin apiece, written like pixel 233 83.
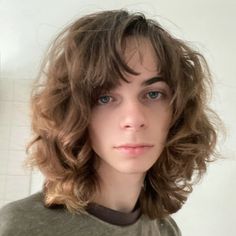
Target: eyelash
pixel 161 95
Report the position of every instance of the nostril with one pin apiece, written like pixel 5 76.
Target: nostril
pixel 134 126
pixel 133 117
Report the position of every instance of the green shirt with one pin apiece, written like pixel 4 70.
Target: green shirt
pixel 29 216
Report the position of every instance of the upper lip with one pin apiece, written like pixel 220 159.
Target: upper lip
pixel 132 145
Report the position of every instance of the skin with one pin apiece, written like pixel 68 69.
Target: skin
pixel 128 128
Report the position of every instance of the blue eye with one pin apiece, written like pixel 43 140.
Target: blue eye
pixel 104 99
pixel 154 94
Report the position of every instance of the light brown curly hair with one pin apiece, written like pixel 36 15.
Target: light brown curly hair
pixel 88 57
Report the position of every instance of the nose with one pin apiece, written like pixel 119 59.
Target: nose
pixel 133 117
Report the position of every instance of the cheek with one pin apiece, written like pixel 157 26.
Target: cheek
pixel 161 120
pixel 100 131
pixel 99 125
pixel 102 121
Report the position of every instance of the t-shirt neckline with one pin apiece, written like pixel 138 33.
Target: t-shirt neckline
pixel 112 216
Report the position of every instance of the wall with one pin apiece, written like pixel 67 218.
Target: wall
pixel 14 131
pixel 27 27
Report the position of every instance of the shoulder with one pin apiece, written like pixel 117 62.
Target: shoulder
pixel 29 216
pixel 169 227
pixel 22 204
pixel 16 214
pixel 161 226
pixel 26 205
pixel 19 217
pixel 28 202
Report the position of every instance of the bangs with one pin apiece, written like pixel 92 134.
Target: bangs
pixel 96 59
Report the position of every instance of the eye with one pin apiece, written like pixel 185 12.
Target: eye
pixel 104 99
pixel 154 95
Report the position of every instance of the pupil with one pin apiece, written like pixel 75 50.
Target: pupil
pixel 104 99
pixel 153 94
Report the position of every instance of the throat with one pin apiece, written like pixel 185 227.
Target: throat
pixel 119 193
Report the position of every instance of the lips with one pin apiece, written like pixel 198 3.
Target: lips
pixel 134 149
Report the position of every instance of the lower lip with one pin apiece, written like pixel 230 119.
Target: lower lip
pixel 134 150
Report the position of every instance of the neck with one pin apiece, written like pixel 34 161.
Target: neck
pixel 119 191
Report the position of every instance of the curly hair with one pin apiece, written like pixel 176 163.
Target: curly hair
pixel 88 57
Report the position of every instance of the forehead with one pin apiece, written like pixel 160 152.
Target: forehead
pixel 139 54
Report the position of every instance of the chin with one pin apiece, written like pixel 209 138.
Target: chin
pixel 133 169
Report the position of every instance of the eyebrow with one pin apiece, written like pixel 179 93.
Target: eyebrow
pixel 152 80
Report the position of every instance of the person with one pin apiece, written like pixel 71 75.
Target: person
pixel 122 130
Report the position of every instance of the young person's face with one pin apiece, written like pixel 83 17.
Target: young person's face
pixel 130 123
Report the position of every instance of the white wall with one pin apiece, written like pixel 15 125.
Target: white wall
pixel 14 131
pixel 27 26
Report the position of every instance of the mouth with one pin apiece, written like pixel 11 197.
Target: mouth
pixel 134 145
pixel 134 149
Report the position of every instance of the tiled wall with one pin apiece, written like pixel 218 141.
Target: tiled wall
pixel 15 181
